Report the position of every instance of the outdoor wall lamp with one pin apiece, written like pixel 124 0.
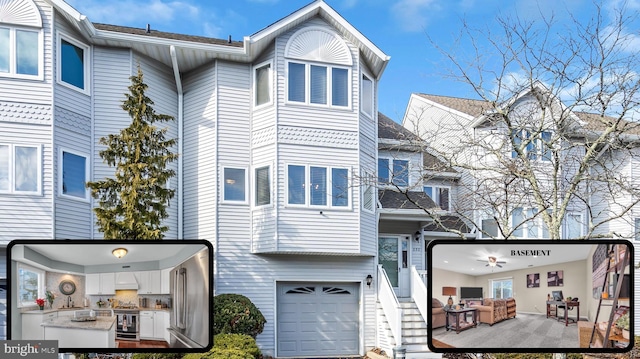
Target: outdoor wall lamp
pixel 369 280
pixel 417 236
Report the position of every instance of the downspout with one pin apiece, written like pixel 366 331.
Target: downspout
pixel 176 74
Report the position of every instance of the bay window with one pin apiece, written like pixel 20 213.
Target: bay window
pixel 318 84
pixel 366 96
pixel 74 175
pixel 263 186
pixel 20 52
pixel 262 82
pixel 318 186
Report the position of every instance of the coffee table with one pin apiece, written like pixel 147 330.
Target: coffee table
pixel 453 319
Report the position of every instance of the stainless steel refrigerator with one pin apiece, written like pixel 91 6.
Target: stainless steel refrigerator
pixel 189 288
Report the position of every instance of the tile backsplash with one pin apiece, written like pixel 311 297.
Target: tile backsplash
pixel 53 280
pixel 125 297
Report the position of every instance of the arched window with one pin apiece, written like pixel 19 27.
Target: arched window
pixel 318 68
pixel 20 39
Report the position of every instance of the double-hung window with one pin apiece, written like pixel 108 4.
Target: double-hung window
pixel 537 145
pixel 262 83
pixel 501 288
pixel 30 285
pixel 318 84
pixel 234 185
pixel 394 171
pixel 74 175
pixel 20 52
pixel 73 64
pixel 318 186
pixel 20 169
pixel 440 195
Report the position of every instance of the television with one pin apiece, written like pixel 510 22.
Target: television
pixel 471 293
pixel 557 295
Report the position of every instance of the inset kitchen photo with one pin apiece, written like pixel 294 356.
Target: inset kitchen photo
pixel 112 296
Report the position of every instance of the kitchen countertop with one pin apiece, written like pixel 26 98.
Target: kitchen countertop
pixel 101 323
pixel 45 311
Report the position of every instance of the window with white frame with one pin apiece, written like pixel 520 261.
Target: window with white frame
pixel 318 186
pixel 318 84
pixel 30 285
pixel 527 225
pixel 440 195
pixel 489 228
pixel 20 169
pixel 366 96
pixel 262 82
pixel 368 189
pixel 263 186
pixel 234 185
pixel 501 288
pixel 73 63
pixel 537 145
pixel 393 171
pixel 637 229
pixel 74 174
pixel 20 52
pixel 573 226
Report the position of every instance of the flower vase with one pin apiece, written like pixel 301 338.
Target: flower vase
pixel 41 307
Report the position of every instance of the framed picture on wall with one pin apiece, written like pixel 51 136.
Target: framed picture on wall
pixel 555 278
pixel 533 280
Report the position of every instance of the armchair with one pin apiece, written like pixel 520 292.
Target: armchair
pixel 438 318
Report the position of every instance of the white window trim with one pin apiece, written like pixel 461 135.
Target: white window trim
pixel 12 161
pixel 307 84
pixel 500 280
pixel 436 198
pixel 369 182
pixel 390 183
pixel 41 284
pixel 527 223
pixel 538 146
pixel 255 84
pixel 636 229
pixel 86 62
pixel 307 188
pixel 370 78
pixel 12 53
pixel 247 197
pixel 255 183
pixel 566 225
pixel 61 169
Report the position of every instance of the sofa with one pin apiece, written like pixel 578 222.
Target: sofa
pixel 492 311
pixel 438 318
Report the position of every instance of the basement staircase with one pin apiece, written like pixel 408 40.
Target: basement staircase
pixel 414 332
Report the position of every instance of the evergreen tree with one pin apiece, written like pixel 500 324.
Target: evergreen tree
pixel 133 204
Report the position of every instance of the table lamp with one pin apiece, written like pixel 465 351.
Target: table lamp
pixel 449 291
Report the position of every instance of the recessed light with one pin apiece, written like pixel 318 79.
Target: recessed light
pixel 446 261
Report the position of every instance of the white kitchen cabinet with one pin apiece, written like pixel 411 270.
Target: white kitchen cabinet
pixel 31 328
pixel 100 284
pixel 147 324
pixel 148 282
pixel 159 326
pixel 167 323
pixel 164 281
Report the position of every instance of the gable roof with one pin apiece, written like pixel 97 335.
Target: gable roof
pixel 193 51
pixel 391 199
pixel 391 130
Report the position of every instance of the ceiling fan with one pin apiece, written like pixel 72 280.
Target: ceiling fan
pixel 493 262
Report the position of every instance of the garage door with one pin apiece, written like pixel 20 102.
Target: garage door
pixel 317 319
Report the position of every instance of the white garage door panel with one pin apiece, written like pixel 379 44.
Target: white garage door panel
pixel 318 319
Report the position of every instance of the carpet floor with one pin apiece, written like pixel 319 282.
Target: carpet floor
pixel 523 331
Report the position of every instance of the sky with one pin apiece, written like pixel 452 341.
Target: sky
pixel 409 31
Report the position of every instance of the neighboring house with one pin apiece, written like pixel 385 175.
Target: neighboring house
pixel 465 131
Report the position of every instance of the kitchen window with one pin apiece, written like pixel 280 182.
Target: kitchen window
pixel 20 169
pixel 20 52
pixel 440 195
pixel 262 80
pixel 263 186
pixel 30 285
pixel 73 64
pixel 74 175
pixel 537 145
pixel 318 186
pixel 234 185
pixel 318 84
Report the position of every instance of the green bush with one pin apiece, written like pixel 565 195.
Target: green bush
pixel 243 342
pixel 220 353
pixel 156 356
pixel 236 314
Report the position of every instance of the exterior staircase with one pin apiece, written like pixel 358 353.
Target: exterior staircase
pixel 414 332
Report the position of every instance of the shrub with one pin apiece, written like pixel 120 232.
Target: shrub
pixel 156 356
pixel 243 342
pixel 236 314
pixel 220 353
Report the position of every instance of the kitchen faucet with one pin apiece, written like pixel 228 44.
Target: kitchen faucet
pixel 68 301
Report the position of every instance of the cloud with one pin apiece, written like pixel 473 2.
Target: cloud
pixel 348 4
pixel 412 15
pixel 136 13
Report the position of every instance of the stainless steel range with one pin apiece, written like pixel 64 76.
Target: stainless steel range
pixel 128 323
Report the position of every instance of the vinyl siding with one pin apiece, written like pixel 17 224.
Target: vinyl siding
pixel 34 91
pixel 28 216
pixel 200 153
pixel 73 217
pixel 111 71
pixel 263 221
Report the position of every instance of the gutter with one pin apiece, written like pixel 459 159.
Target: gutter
pixel 176 74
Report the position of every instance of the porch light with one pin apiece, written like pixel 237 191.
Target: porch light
pixel 417 236
pixel 119 252
pixel 369 280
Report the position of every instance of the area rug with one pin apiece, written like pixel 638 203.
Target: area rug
pixel 523 331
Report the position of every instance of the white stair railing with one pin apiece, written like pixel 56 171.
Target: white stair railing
pixel 390 305
pixel 419 292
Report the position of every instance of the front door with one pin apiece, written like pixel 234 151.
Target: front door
pixel 393 254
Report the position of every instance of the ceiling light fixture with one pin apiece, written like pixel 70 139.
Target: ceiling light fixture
pixel 119 252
